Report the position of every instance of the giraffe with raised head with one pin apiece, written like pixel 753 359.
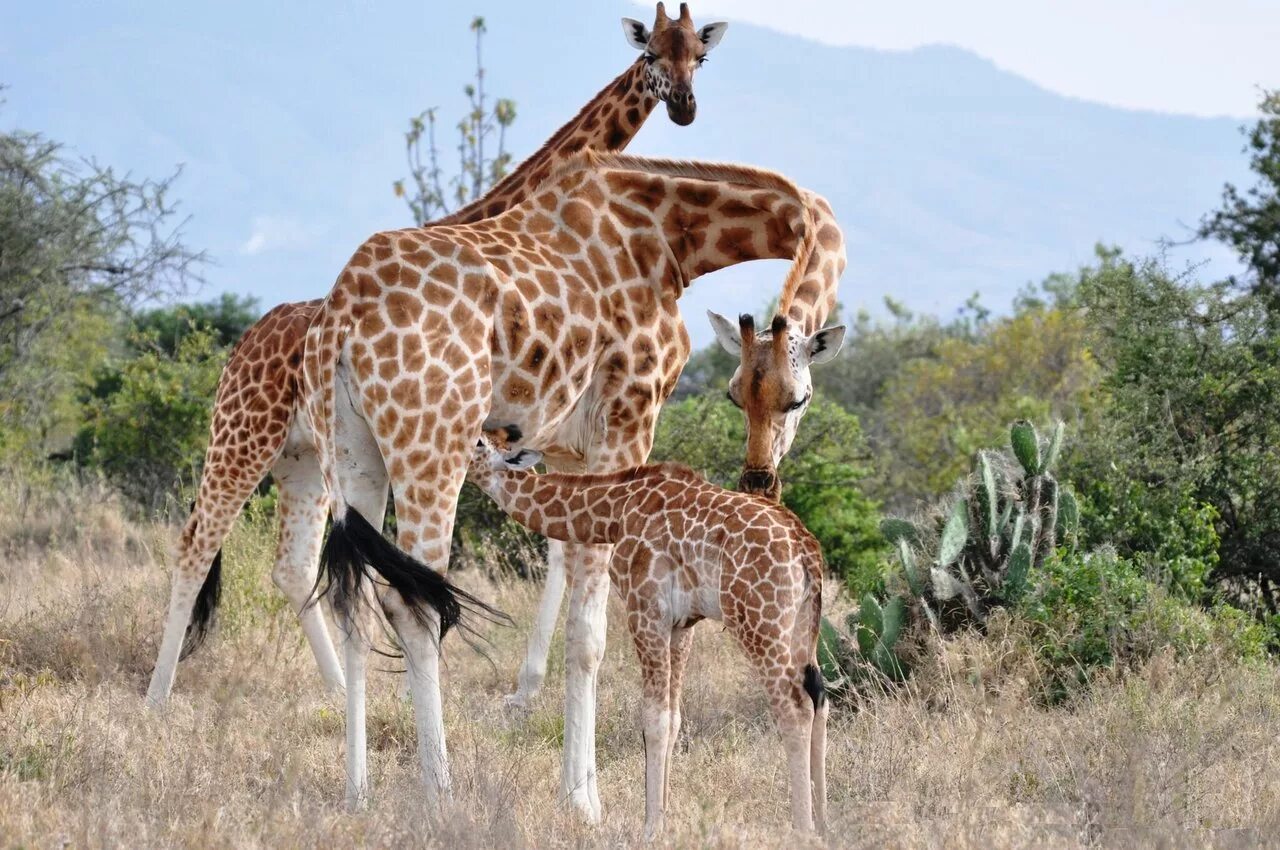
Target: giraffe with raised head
pixel 558 320
pixel 686 550
pixel 259 427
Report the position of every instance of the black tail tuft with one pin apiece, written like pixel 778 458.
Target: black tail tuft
pixel 813 686
pixel 354 546
pixel 203 614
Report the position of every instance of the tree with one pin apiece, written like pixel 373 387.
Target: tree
pixel 78 245
pixel 146 420
pixel 429 199
pixel 1187 444
pixel 227 317
pixel 1249 221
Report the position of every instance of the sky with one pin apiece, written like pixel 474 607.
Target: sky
pixel 1194 57
pixel 287 120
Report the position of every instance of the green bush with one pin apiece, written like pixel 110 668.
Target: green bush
pixel 147 419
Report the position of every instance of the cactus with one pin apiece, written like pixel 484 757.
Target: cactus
pixel 1002 524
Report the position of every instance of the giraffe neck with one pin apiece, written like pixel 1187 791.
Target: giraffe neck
pixel 573 508
pixel 710 216
pixel 813 297
pixel 608 122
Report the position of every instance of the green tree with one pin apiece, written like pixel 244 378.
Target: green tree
pixel 146 420
pixel 1249 221
pixel 1187 444
pixel 428 198
pixel 227 318
pixel 78 245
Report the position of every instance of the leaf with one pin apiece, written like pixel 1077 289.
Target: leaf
pixel 1026 445
pixel 829 651
pixel 1015 580
pixel 892 614
pixel 954 534
pixel 895 529
pixel 945 585
pixel 909 567
pixel 1055 445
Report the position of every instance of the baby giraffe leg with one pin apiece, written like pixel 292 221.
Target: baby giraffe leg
pixel 818 765
pixel 681 644
pixel 653 646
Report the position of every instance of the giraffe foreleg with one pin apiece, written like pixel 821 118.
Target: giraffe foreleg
pixel 584 650
pixel 534 669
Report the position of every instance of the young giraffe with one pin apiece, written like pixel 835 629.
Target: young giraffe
pixel 686 550
pixel 557 319
pixel 256 427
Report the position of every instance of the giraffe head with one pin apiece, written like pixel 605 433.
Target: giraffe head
pixel 673 50
pixel 773 388
pixel 493 456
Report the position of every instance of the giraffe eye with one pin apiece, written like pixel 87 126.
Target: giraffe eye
pixel 796 405
pixel 734 401
pixel 650 57
pixel 702 60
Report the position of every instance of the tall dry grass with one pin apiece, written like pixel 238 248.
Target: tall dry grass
pixel 1181 754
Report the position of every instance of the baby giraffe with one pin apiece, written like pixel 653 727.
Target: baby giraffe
pixel 688 550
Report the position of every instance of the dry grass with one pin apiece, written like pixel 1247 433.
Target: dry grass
pixel 1181 755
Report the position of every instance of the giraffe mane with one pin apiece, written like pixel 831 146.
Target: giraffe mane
pixel 748 175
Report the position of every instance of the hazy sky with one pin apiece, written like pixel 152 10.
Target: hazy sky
pixel 1199 57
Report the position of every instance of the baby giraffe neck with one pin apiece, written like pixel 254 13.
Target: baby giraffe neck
pixel 562 507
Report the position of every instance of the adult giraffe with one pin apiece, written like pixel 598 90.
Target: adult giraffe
pixel 557 320
pixel 256 428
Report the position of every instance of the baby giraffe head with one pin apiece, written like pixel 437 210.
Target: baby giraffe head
pixel 773 388
pixel 494 458
pixel 673 51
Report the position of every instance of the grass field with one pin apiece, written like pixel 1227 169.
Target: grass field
pixel 1180 754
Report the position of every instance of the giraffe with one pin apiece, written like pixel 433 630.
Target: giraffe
pixel 686 550
pixel 256 428
pixel 558 320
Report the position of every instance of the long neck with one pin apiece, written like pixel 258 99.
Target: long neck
pixel 813 298
pixel 608 122
pixel 715 216
pixel 572 508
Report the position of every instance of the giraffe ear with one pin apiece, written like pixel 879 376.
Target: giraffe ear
pixel 727 333
pixel 637 33
pixel 825 344
pixel 522 459
pixel 711 34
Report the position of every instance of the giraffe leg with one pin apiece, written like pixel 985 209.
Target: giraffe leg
pixel 818 765
pixel 652 637
pixel 791 706
pixel 534 668
pixel 199 553
pixel 303 507
pixel 681 644
pixel 588 568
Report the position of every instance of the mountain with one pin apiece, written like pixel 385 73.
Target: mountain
pixel 949 175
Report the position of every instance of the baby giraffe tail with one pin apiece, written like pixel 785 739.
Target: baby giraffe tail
pixel 816 690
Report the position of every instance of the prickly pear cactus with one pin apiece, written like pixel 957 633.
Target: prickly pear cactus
pixel 1002 523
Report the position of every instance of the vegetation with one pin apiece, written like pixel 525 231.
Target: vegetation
pixel 428 198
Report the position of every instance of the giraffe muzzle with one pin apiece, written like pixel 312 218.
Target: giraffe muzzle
pixel 762 482
pixel 682 107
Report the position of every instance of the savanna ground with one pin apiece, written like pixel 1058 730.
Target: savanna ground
pixel 1179 754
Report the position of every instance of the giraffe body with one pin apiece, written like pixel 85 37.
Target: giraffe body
pixel 686 550
pixel 259 426
pixel 558 318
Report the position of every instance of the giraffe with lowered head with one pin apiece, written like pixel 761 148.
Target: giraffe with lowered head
pixel 259 427
pixel 557 320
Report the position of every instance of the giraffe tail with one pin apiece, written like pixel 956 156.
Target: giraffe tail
pixel 203 613
pixel 356 550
